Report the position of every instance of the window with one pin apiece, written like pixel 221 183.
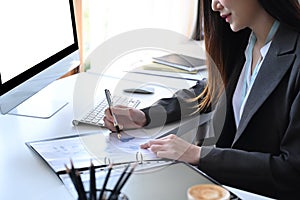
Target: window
pixel 103 19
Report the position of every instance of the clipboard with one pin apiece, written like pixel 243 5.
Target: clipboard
pixel 105 147
pixel 100 148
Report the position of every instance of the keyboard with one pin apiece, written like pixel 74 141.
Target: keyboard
pixel 95 115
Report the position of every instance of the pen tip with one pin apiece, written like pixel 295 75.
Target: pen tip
pixel 119 136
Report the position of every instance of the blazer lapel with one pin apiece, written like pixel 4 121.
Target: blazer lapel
pixel 275 65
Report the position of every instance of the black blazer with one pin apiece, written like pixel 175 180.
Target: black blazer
pixel 263 154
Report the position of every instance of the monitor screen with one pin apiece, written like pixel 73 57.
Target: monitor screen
pixel 38 45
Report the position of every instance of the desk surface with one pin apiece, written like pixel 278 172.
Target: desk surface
pixel 23 174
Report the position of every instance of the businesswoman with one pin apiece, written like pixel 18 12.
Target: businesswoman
pixel 255 46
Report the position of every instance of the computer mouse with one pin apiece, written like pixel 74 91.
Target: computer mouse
pixel 141 90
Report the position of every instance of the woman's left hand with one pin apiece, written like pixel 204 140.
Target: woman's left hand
pixel 173 147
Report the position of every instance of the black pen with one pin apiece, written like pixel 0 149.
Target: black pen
pixel 102 192
pixel 113 194
pixel 82 194
pixel 73 179
pixel 118 190
pixel 75 176
pixel 110 105
pixel 93 194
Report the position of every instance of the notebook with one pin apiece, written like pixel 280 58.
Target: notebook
pixel 181 61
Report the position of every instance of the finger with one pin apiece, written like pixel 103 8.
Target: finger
pixel 152 142
pixel 108 115
pixel 109 124
pixel 145 146
pixel 157 142
pixel 157 148
pixel 168 137
pixel 108 119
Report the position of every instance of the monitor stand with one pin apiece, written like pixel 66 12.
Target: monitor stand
pixel 43 110
pixel 39 106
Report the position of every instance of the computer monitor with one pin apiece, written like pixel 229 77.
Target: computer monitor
pixel 38 44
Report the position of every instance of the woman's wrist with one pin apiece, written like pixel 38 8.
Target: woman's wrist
pixel 144 120
pixel 194 152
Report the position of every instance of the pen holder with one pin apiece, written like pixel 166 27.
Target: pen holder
pixel 106 195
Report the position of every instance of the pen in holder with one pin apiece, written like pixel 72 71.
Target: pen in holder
pixel 103 193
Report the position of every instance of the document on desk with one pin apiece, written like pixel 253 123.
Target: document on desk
pixel 102 149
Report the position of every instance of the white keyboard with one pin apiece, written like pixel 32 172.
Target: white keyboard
pixel 95 116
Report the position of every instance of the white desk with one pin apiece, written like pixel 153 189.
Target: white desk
pixel 23 174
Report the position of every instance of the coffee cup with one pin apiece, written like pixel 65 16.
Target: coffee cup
pixel 207 192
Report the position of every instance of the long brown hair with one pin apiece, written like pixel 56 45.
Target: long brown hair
pixel 223 46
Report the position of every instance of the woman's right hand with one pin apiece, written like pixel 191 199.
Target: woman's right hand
pixel 127 117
